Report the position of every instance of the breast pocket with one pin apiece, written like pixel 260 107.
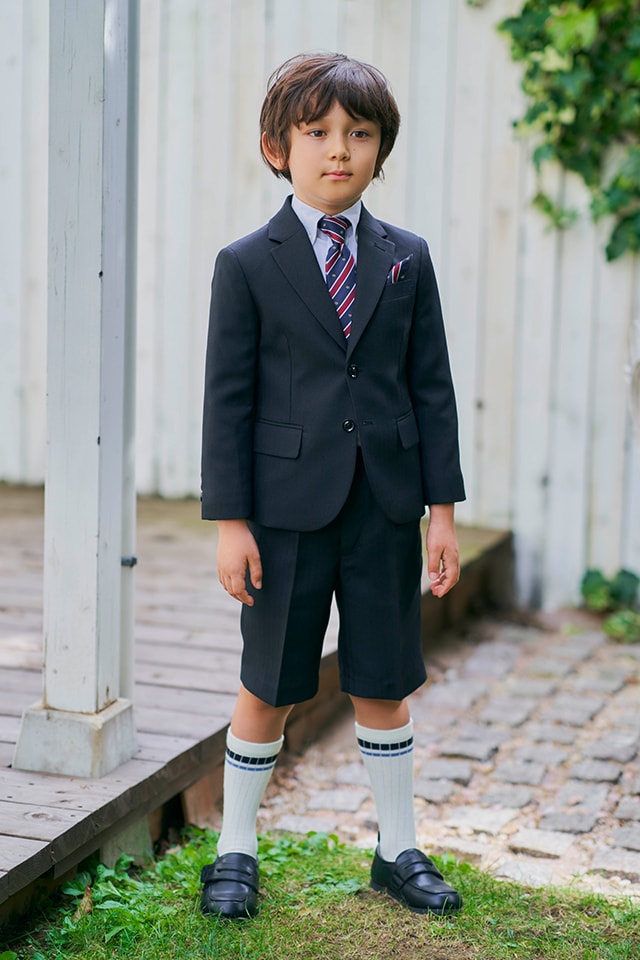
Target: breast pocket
pixel 393 292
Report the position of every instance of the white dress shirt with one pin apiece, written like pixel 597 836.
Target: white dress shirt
pixel 309 216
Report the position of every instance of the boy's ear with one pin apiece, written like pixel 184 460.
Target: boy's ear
pixel 274 158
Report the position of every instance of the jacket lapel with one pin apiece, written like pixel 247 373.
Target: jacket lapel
pixel 295 257
pixel 375 259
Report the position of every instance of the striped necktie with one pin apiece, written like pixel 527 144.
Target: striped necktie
pixel 340 269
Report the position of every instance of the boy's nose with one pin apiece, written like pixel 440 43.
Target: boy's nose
pixel 339 148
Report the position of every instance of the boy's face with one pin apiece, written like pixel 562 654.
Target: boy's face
pixel 332 160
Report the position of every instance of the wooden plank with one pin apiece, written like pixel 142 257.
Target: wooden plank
pixel 15 851
pixel 428 120
pixel 223 681
pixel 9 729
pixel 143 796
pixel 631 538
pixel 28 680
pixel 14 621
pixel 13 703
pixel 608 428
pixel 34 249
pixel 178 120
pixel 178 699
pixel 565 545
pixel 199 658
pixel 188 619
pixel 393 30
pixel 495 426
pixel 21 650
pixel 36 822
pixel 152 85
pixel 322 25
pixel 630 555
pixel 220 639
pixel 537 310
pixel 58 792
pixel 158 720
pixel 12 242
pixel 146 786
pixel 464 257
pixel 154 746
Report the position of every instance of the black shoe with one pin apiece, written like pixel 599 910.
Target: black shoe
pixel 416 882
pixel 231 886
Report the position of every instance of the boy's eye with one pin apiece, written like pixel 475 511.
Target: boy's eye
pixel 361 134
pixel 316 133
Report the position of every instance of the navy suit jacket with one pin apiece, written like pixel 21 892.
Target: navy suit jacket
pixel 287 398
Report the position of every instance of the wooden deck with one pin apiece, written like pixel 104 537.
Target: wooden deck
pixel 187 669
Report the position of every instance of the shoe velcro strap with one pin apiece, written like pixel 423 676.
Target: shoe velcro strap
pixel 414 868
pixel 213 872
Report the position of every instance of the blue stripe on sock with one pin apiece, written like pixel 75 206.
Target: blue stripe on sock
pixel 386 756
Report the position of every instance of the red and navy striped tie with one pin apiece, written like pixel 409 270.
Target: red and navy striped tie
pixel 340 269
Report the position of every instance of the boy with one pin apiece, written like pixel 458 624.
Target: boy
pixel 329 424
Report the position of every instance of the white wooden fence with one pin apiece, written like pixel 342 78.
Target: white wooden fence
pixel 544 335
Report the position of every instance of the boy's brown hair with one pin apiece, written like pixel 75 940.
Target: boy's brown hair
pixel 304 88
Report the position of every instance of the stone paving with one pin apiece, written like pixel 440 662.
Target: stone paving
pixel 527 744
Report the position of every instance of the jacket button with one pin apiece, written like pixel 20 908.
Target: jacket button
pixel 348 426
pixel 353 371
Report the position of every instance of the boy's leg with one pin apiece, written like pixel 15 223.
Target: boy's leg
pixel 254 740
pixel 385 737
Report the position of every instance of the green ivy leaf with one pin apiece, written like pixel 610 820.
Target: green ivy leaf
pixel 623 626
pixel 572 28
pixel 624 588
pixel 552 60
pixel 582 84
pixel 595 590
pixel 624 238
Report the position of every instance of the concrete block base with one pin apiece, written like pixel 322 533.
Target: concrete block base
pixel 76 744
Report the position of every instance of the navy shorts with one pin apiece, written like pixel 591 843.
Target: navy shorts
pixel 373 567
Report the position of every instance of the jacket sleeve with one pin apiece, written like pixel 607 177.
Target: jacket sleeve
pixel 432 392
pixel 229 394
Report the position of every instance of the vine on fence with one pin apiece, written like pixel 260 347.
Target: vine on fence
pixel 582 82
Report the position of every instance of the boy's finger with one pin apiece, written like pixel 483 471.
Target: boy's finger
pixel 241 594
pixel 255 571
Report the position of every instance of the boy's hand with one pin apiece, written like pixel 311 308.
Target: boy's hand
pixel 237 551
pixel 442 549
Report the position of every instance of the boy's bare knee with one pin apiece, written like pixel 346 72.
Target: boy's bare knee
pixel 381 714
pixel 255 720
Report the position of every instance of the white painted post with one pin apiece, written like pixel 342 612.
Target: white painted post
pixel 127 613
pixel 84 727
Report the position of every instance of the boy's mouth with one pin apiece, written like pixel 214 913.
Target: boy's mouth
pixel 337 175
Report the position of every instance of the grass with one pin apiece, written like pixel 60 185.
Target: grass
pixel 317 905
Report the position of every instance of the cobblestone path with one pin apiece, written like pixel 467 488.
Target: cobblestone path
pixel 527 747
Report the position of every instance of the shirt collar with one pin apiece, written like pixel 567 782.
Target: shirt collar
pixel 310 216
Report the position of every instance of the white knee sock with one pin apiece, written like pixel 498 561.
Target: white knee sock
pixel 388 758
pixel 247 771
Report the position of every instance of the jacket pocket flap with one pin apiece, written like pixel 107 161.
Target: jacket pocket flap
pixel 277 439
pixel 408 430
